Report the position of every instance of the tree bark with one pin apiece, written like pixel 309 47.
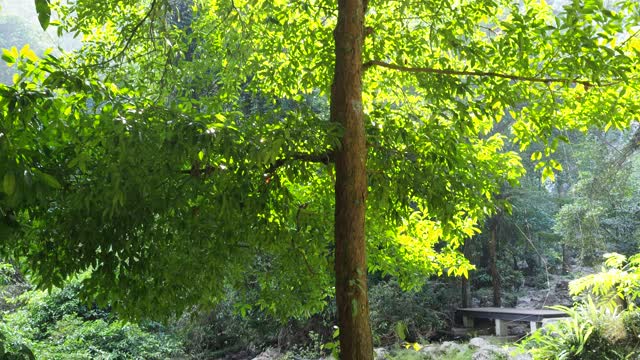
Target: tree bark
pixel 493 263
pixel 351 185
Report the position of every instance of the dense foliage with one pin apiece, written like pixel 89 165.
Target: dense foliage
pixel 107 194
pixel 188 148
pixel 58 325
pixel 605 324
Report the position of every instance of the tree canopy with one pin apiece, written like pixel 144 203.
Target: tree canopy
pixel 189 146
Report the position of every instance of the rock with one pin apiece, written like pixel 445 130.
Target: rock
pixel 431 351
pixel 440 351
pixel 521 357
pixel 562 285
pixel 380 353
pixel 519 329
pixel 490 352
pixel 475 302
pixel 478 342
pixel 450 346
pixel 269 354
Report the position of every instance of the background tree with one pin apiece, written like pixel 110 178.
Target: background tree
pixel 602 212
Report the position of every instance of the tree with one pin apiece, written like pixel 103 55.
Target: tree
pixel 148 166
pixel 602 213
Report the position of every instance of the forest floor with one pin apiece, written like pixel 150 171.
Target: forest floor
pixel 556 291
pixel 478 348
pixel 479 343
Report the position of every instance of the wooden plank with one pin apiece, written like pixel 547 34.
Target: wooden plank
pixel 496 310
pixel 512 314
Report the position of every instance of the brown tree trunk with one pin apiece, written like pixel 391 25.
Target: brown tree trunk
pixel 351 185
pixel 493 263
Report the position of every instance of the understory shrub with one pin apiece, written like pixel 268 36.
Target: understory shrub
pixel 461 352
pixel 223 330
pixel 604 324
pixel 590 333
pixel 13 347
pixel 632 324
pixel 410 315
pixel 57 325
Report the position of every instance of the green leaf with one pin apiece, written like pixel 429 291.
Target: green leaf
pixel 540 165
pixel 51 181
pixel 8 57
pixel 9 183
pixel 44 13
pixel 547 173
pixel 401 330
pixel 536 156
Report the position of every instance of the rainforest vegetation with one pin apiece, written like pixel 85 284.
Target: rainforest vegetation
pixel 307 179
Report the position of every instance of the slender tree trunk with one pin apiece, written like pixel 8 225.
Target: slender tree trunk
pixel 565 260
pixel 466 282
pixel 351 185
pixel 493 263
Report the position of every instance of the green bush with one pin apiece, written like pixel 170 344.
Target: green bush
pixel 57 325
pixel 510 278
pixel 409 315
pixel 605 328
pixel 13 347
pixel 632 324
pixel 73 337
pixel 458 353
pixel 224 330
pixel 46 311
pixel 589 334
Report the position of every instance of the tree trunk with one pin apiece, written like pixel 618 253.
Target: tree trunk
pixel 351 185
pixel 466 282
pixel 565 260
pixel 493 263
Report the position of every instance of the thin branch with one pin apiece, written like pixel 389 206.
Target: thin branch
pixel 196 171
pixel 427 70
pixel 240 15
pixel 629 149
pixel 325 158
pixel 129 39
pixel 300 208
pixel 629 38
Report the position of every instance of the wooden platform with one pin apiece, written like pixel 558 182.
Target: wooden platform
pixel 502 315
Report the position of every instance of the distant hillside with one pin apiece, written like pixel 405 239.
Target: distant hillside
pixel 19 26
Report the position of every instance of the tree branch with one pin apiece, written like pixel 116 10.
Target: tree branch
pixel 127 42
pixel 325 158
pixel 197 171
pixel 427 70
pixel 629 149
